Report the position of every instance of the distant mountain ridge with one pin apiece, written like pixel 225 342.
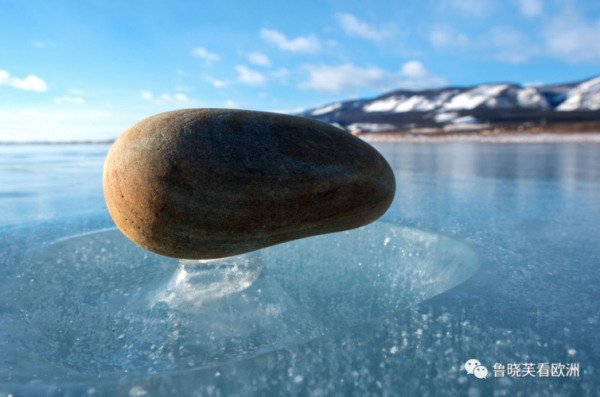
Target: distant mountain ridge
pixel 465 108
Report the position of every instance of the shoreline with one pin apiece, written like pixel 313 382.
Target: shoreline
pixel 403 137
pixel 390 138
pixel 50 143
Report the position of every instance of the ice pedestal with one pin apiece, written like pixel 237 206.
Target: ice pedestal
pixel 199 283
pixel 96 306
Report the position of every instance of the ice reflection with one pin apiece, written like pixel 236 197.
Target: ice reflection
pixel 542 162
pixel 464 174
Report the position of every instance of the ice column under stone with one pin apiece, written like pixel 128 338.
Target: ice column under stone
pixel 199 283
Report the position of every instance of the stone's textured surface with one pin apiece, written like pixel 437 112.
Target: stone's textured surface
pixel 211 183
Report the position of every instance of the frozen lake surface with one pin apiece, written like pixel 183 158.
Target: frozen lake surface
pixel 530 213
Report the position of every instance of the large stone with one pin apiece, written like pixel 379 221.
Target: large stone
pixel 211 183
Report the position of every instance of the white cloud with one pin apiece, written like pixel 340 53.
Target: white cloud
pixel 183 88
pixel 281 75
pixel 475 7
pixel 234 105
pixel 414 70
pixel 335 79
pixel 571 37
pixel 530 8
pixel 164 98
pixel 511 46
pixel 220 83
pixel 302 44
pixel 354 27
pixel 76 100
pixel 179 97
pixel 445 36
pixel 203 53
pixel 216 82
pixel 249 76
pixel 259 59
pixel 533 84
pixel 29 83
pixel 147 95
pixel 415 76
pixel 76 92
pixel 39 44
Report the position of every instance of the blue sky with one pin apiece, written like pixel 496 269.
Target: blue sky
pixel 90 69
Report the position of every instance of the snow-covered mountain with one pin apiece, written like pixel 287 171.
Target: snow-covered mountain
pixel 583 96
pixel 451 107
